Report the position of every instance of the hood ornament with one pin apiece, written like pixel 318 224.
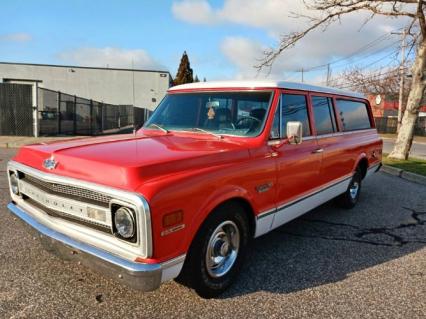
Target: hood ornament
pixel 50 163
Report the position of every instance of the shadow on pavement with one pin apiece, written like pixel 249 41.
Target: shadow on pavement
pixel 328 244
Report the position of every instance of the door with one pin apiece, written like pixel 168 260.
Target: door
pixel 330 140
pixel 298 165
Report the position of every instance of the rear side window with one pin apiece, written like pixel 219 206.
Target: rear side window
pixel 294 108
pixel 325 122
pixel 354 115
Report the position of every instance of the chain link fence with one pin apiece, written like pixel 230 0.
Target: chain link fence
pixel 64 114
pixel 389 125
pixel 16 109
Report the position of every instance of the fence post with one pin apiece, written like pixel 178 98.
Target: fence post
pixel 91 117
pixel 74 124
pixel 119 118
pixel 59 112
pixel 101 105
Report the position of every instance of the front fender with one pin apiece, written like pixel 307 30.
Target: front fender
pixel 215 199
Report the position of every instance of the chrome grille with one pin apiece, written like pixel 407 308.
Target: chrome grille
pixel 69 191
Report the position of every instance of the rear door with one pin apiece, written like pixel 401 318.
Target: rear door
pixel 330 140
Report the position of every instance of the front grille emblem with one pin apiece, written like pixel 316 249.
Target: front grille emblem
pixel 50 163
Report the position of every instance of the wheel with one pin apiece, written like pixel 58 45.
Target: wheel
pixel 350 198
pixel 217 252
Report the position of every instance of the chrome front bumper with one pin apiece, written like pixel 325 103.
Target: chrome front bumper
pixel 140 276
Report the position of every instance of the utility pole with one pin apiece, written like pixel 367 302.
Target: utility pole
pixel 328 74
pixel 303 75
pixel 401 108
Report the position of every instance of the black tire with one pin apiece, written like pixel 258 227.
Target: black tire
pixel 195 273
pixel 350 198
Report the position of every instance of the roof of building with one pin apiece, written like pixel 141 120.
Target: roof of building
pixel 265 84
pixel 83 67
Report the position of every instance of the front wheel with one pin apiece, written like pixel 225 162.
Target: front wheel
pixel 217 252
pixel 350 198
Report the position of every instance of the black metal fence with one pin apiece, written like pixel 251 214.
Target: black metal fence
pixel 389 125
pixel 64 114
pixel 16 109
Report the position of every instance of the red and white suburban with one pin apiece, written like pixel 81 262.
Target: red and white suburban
pixel 216 164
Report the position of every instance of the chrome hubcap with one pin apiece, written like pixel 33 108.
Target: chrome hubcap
pixel 222 249
pixel 353 190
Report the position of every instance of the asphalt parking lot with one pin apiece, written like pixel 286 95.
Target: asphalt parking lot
pixel 369 262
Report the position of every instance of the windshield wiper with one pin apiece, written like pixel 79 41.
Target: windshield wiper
pixel 197 129
pixel 159 127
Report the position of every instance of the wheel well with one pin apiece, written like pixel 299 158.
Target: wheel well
pixel 363 165
pixel 247 209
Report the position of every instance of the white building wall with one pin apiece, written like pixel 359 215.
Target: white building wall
pixel 114 86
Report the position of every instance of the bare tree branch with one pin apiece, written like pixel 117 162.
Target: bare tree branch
pixel 332 10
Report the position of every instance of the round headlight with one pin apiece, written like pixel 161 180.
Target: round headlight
pixel 14 183
pixel 124 222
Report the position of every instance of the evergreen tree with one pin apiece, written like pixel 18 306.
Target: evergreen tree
pixel 204 80
pixel 184 73
pixel 196 79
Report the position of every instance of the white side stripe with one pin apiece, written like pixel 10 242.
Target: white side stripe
pixel 268 221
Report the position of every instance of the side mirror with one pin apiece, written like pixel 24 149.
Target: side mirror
pixel 294 132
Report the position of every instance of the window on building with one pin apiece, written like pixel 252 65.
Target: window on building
pixel 353 115
pixel 294 108
pixel 325 122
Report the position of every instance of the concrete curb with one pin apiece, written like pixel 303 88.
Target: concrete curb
pixel 416 178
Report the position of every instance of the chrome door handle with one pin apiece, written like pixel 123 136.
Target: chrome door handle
pixel 272 154
pixel 318 150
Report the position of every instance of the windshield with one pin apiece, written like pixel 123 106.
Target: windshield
pixel 228 113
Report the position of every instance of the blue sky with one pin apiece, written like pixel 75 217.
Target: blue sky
pixel 224 39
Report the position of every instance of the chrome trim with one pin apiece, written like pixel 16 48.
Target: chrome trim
pixel 271 219
pixel 266 213
pixel 141 276
pixel 137 200
pixel 335 134
pixel 316 191
pixel 359 131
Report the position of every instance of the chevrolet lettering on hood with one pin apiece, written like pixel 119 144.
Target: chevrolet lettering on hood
pixel 216 164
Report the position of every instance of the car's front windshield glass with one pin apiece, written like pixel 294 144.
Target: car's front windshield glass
pixel 221 113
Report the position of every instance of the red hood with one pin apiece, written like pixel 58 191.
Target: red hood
pixel 125 161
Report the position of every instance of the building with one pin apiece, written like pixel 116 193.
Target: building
pixel 107 86
pixel 385 107
pixel 140 88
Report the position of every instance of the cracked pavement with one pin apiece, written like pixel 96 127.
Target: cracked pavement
pixel 368 262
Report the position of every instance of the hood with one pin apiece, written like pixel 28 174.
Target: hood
pixel 126 161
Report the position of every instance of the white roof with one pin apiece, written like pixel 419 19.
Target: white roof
pixel 265 84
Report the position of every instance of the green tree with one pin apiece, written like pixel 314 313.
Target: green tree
pixel 184 73
pixel 196 79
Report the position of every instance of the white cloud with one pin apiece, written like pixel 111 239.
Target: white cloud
pixel 194 11
pixel 111 57
pixel 15 37
pixel 256 13
pixel 275 18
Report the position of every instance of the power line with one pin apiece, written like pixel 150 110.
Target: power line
pixel 363 48
pixel 366 66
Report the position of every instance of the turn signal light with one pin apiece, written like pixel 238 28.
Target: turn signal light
pixel 172 219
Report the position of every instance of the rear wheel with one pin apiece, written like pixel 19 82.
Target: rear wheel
pixel 350 198
pixel 217 252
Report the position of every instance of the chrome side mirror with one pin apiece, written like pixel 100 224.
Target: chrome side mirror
pixel 294 132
